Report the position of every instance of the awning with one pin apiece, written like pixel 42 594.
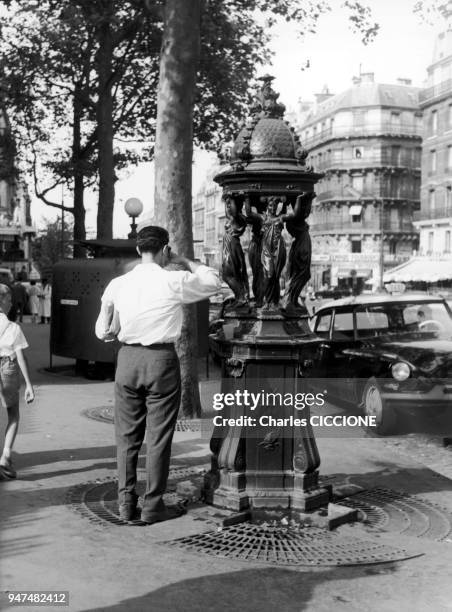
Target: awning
pixel 420 269
pixel 355 210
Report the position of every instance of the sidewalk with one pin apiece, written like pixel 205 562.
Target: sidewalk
pixel 47 545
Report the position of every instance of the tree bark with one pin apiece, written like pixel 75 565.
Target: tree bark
pixel 173 161
pixel 105 132
pixel 78 204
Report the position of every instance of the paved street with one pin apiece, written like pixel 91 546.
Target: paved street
pixel 50 543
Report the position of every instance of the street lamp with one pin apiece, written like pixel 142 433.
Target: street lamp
pixel 134 208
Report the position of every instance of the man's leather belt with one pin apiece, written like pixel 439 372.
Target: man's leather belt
pixel 157 345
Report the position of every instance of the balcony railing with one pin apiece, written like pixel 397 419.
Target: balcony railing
pixel 365 194
pixel 385 127
pixel 349 226
pixel 365 161
pixel 433 213
pixel 437 90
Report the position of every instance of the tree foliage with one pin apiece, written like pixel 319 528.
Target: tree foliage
pixel 431 11
pixel 52 244
pixel 79 81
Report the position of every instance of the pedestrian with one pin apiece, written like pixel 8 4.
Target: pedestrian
pixel 33 300
pixel 143 309
pixel 12 359
pixel 23 274
pixel 20 299
pixel 45 301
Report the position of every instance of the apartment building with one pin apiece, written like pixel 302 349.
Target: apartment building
pixel 367 141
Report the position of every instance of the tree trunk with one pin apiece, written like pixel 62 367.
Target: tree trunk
pixel 105 133
pixel 173 161
pixel 78 205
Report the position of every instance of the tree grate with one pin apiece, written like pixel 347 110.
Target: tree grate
pixel 105 414
pixel 97 501
pixel 289 545
pixel 387 510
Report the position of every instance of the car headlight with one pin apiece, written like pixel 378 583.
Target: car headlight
pixel 401 371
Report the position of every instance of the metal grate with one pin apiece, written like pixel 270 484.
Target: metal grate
pixel 105 414
pixel 392 511
pixel 97 501
pixel 291 545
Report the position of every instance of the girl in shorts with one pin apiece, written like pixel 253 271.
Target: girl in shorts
pixel 12 359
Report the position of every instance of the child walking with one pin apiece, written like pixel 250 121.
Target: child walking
pixel 12 359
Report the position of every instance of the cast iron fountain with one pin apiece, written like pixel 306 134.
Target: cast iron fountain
pixel 268 186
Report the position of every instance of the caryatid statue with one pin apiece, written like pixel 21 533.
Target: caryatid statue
pixel 299 265
pixel 256 221
pixel 273 255
pixel 234 265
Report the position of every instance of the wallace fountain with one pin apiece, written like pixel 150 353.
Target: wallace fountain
pixel 265 344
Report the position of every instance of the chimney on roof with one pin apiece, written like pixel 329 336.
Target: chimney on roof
pixel 367 77
pixel 406 82
pixel 325 94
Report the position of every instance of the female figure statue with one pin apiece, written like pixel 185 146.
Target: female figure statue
pixel 234 266
pixel 299 267
pixel 273 254
pixel 254 252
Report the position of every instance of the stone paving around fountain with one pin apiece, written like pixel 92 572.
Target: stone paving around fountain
pixel 52 538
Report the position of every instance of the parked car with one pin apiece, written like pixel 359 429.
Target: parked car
pixel 386 354
pixel 6 276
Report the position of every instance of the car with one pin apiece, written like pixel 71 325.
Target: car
pixel 6 276
pixel 386 354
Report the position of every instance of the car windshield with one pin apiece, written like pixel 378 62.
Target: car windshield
pixel 399 317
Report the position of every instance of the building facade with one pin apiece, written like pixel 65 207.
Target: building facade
pixel 434 220
pixel 208 221
pixel 16 229
pixel 367 142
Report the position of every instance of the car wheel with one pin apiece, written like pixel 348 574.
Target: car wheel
pixel 374 405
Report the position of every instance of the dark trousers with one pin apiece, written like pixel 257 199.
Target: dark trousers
pixel 147 396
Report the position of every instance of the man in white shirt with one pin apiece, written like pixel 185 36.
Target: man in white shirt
pixel 143 309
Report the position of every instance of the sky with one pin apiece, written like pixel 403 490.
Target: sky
pixel 403 48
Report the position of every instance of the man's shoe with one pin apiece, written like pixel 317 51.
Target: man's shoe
pixel 7 468
pixel 169 513
pixel 128 511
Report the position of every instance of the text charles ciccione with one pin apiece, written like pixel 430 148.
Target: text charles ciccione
pixel 250 400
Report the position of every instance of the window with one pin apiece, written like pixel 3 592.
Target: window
pixel 431 199
pixel 430 242
pixel 395 121
pixel 434 122
pixel 447 242
pixel 449 157
pixel 343 326
pixel 448 196
pixel 337 155
pixel 356 246
pixel 358 117
pixel 357 152
pixel 370 321
pixel 323 325
pixel 449 116
pixel 358 183
pixel 433 160
pixel 355 212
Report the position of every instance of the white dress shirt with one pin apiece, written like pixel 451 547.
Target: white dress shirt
pixel 148 302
